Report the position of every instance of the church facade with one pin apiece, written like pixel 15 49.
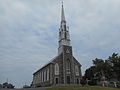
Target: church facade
pixel 64 69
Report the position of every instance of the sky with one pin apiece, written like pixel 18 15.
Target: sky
pixel 29 34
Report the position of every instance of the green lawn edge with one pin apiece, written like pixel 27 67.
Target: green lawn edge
pixel 82 88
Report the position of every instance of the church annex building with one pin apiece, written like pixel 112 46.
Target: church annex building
pixel 64 69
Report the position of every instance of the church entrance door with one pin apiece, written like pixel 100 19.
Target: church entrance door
pixel 68 79
pixel 56 80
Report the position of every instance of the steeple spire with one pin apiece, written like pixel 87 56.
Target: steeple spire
pixel 62 14
pixel 64 38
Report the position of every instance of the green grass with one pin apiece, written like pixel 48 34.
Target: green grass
pixel 82 88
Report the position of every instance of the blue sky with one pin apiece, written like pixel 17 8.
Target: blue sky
pixel 29 34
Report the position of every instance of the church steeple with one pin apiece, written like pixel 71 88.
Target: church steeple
pixel 62 14
pixel 64 38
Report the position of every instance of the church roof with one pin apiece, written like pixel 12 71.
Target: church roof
pixel 46 64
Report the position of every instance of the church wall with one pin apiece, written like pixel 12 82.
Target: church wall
pixel 42 77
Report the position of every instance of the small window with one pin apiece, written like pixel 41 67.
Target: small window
pixel 65 35
pixel 65 27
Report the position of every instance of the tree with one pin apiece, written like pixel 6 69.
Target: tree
pixel 110 68
pixel 89 73
pixel 5 85
pixel 26 86
pixel 102 66
pixel 83 81
pixel 114 61
pixel 0 85
pixel 8 85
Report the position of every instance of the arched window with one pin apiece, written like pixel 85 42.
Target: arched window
pixel 76 70
pixel 56 69
pixel 65 27
pixel 48 74
pixel 68 66
pixel 60 35
pixel 44 76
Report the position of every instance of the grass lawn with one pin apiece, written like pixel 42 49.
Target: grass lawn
pixel 82 88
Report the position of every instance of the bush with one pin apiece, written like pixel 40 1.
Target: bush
pixel 83 82
pixel 92 82
pixel 118 84
pixel 0 85
pixel 26 86
pixel 6 85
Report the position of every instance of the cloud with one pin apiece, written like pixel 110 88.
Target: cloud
pixel 29 34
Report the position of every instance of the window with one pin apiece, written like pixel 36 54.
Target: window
pixel 42 76
pixel 48 74
pixel 59 35
pixel 65 27
pixel 56 69
pixel 65 35
pixel 68 66
pixel 76 70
